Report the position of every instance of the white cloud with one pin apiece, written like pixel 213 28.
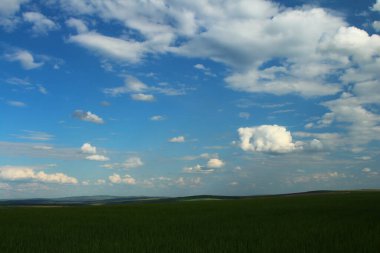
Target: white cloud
pixel 99 158
pixel 200 67
pixel 362 126
pixel 25 58
pixel 87 148
pixel 157 118
pixel 177 139
pixel 77 24
pixel 267 138
pixel 116 48
pixel 133 162
pixel 215 163
pixel 376 6
pixel 117 179
pixel 8 9
pixel 307 47
pixel 376 26
pixel 366 170
pixel 16 103
pixel 13 173
pixel 41 24
pixel 142 97
pixel 198 169
pixel 88 116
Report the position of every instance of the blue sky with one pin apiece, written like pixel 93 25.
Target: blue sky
pixel 173 98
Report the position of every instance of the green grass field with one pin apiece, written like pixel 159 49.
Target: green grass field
pixel 333 222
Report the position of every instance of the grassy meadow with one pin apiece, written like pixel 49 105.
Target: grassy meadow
pixel 330 222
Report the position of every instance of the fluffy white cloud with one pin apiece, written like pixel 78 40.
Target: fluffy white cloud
pixel 177 139
pixel 267 138
pixel 88 116
pixel 87 148
pixel 362 126
pixel 215 163
pixel 41 24
pixel 142 97
pixel 77 24
pixel 99 158
pixel 376 6
pixel 269 48
pixel 8 9
pixel 27 173
pixel 25 58
pixel 117 179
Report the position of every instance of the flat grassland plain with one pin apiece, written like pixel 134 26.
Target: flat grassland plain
pixel 330 222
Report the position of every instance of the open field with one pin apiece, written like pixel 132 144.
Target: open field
pixel 327 222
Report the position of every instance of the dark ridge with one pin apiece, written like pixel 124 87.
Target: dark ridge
pixel 112 200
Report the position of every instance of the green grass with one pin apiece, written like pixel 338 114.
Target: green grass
pixel 334 222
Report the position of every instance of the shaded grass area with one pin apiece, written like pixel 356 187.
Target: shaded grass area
pixel 334 222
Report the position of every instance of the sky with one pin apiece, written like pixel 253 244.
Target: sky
pixel 188 97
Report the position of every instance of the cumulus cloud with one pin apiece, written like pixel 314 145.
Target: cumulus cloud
pixel 87 148
pixel 8 9
pixel 177 139
pixel 88 116
pixel 268 48
pixel 376 6
pixel 40 23
pixel 267 138
pixel 99 158
pixel 142 97
pixel 25 58
pixel 215 163
pixel 126 179
pixel 77 24
pixel 13 173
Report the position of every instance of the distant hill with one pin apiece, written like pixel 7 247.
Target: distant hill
pixel 109 200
